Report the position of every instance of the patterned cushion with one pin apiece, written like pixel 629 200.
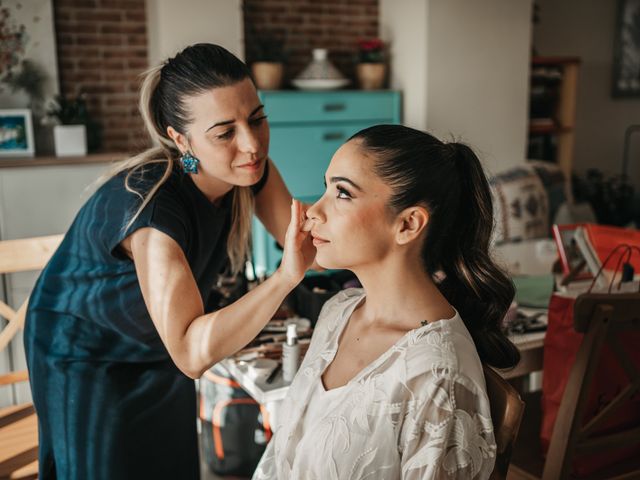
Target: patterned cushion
pixel 554 183
pixel 521 206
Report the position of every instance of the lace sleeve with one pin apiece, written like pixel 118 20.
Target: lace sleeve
pixel 447 430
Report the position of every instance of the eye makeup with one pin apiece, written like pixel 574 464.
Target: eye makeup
pixel 343 193
pixel 229 122
pixel 258 120
pixel 255 122
pixel 226 135
pixel 346 180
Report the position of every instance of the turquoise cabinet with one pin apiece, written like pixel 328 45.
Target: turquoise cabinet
pixel 302 153
pixel 306 130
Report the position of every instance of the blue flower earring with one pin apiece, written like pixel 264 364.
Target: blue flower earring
pixel 189 163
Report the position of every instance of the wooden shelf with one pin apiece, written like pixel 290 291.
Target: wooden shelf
pixel 13 162
pixel 554 61
pixel 564 109
pixel 545 129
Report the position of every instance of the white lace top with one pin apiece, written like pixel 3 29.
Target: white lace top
pixel 420 411
pixel 321 403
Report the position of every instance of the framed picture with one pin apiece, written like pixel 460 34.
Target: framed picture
pixel 571 258
pixel 626 55
pixel 16 133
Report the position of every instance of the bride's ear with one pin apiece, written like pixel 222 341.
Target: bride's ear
pixel 411 223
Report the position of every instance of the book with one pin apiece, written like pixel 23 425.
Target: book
pixel 572 261
pixel 598 244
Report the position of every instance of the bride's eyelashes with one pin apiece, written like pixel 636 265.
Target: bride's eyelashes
pixel 343 193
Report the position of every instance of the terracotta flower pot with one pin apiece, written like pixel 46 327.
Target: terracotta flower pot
pixel 371 76
pixel 267 75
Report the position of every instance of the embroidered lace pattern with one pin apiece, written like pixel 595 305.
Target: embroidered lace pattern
pixel 420 411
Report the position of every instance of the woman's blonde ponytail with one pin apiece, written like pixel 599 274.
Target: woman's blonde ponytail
pixel 239 240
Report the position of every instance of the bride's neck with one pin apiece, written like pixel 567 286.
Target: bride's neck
pixel 401 294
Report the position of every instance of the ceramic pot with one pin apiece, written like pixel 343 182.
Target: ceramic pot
pixel 320 68
pixel 267 75
pixel 70 140
pixel 371 76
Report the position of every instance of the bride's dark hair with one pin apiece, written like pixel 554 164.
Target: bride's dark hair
pixel 448 180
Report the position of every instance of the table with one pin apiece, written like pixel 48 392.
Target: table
pixel 531 347
pixel 271 395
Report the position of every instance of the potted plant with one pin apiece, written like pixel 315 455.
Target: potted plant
pixel 267 56
pixel 371 69
pixel 70 131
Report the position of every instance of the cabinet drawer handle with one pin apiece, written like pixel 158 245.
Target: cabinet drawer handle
pixel 334 107
pixel 333 136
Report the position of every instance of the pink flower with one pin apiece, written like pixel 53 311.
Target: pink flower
pixel 372 45
pixel 370 50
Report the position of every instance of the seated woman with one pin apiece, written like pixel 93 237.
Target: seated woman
pixel 392 384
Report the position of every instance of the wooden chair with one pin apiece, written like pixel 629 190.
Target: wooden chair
pixel 18 423
pixel 602 318
pixel 506 414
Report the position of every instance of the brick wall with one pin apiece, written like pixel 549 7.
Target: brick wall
pixel 306 24
pixel 102 49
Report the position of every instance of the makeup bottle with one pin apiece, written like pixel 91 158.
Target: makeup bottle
pixel 290 354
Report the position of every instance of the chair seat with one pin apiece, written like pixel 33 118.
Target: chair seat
pixel 18 442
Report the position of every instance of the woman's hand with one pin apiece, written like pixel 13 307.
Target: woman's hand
pixel 308 225
pixel 299 251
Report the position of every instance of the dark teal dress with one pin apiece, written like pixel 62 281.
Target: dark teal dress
pixel 111 403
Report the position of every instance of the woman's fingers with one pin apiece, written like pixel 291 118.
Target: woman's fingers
pixel 307 225
pixel 294 260
pixel 297 235
pixel 295 224
pixel 291 233
pixel 298 216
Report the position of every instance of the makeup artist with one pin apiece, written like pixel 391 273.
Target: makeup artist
pixel 116 330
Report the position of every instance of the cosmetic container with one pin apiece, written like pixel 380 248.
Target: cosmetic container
pixel 290 354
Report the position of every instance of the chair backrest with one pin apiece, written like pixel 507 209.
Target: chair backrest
pixel 603 318
pixel 506 413
pixel 21 255
pixel 18 423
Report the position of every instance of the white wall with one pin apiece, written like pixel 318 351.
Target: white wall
pixel 478 76
pixel 173 25
pixel 474 84
pixel 585 28
pixel 403 25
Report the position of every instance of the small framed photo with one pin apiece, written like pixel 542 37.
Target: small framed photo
pixel 571 258
pixel 16 133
